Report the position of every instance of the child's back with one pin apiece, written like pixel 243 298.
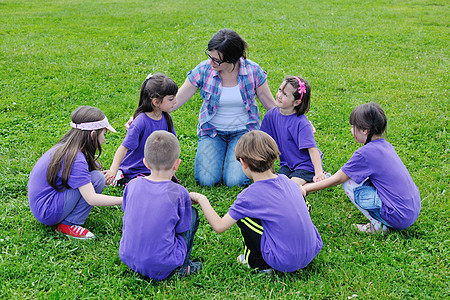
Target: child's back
pixel 399 194
pixel 154 212
pixel 289 240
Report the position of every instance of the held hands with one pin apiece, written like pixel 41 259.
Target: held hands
pixel 196 198
pixel 302 188
pixel 110 175
pixel 319 177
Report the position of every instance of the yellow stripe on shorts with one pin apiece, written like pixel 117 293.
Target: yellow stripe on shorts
pixel 253 225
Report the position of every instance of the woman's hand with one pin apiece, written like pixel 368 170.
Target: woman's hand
pixel 128 123
pixel 186 91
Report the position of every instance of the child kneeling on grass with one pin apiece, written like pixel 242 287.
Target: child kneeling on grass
pixel 159 222
pixel 66 181
pixel 271 213
pixel 375 179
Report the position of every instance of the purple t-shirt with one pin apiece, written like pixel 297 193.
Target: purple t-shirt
pixel 154 213
pixel 140 129
pixel 46 203
pixel 290 240
pixel 293 136
pixel 399 195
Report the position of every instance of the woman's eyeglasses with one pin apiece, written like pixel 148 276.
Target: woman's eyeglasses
pixel 214 60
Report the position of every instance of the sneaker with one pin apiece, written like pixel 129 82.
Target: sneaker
pixel 268 272
pixel 75 231
pixel 241 259
pixel 369 228
pixel 192 268
pixel 118 177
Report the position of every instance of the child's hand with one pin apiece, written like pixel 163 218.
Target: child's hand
pixel 312 127
pixel 302 188
pixel 319 177
pixel 128 123
pixel 110 175
pixel 196 197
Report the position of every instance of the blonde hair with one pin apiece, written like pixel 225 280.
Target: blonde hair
pixel 161 150
pixel 258 150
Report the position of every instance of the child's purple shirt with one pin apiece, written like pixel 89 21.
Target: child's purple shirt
pixel 293 136
pixel 140 129
pixel 290 240
pixel 155 212
pixel 46 203
pixel 400 197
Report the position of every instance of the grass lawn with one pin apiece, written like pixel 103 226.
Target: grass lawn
pixel 57 55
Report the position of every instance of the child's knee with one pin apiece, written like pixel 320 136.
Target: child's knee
pixel 207 179
pixel 98 181
pixel 349 185
pixel 236 180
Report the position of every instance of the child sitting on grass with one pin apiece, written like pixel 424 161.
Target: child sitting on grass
pixel 375 179
pixel 159 222
pixel 288 125
pixel 271 213
pixel 157 98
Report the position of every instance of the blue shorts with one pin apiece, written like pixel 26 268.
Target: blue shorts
pixel 366 197
pixel 303 174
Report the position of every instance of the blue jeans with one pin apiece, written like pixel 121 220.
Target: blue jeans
pixel 366 197
pixel 215 160
pixel 76 209
pixel 188 236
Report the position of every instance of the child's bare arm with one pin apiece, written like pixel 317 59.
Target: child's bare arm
pixel 217 223
pixel 337 178
pixel 118 158
pixel 317 162
pixel 94 199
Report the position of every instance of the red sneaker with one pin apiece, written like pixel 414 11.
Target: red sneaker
pixel 75 231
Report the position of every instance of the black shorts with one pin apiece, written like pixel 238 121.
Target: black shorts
pixel 303 174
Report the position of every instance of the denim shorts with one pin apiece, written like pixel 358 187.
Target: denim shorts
pixel 366 197
pixel 303 174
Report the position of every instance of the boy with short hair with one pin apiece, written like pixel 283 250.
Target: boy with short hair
pixel 271 213
pixel 159 222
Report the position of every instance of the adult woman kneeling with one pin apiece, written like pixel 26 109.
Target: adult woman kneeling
pixel 229 84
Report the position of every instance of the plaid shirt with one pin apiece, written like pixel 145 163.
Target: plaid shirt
pixel 251 76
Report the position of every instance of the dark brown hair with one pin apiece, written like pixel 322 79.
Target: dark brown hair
pixel 73 141
pixel 303 107
pixel 229 44
pixel 156 86
pixel 257 149
pixel 369 116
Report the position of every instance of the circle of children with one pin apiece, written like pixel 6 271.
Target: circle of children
pixel 159 221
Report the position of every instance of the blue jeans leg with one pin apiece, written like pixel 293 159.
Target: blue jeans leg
pixel 76 209
pixel 232 169
pixel 209 160
pixel 215 156
pixel 188 236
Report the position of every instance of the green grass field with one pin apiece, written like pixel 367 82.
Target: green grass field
pixel 57 55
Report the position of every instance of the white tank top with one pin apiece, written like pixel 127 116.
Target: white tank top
pixel 231 114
